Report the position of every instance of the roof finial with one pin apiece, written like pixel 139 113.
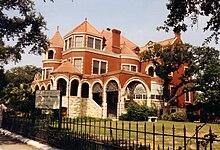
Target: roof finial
pixel 86 19
pixel 58 28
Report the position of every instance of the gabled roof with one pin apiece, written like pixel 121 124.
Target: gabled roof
pixel 126 50
pixel 123 41
pixel 66 67
pixel 167 42
pixel 57 40
pixel 85 26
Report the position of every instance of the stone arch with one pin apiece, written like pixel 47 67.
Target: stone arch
pixel 42 87
pixel 135 89
pixel 36 88
pixel 85 90
pixel 74 87
pixel 49 87
pixel 112 92
pixel 97 93
pixel 62 85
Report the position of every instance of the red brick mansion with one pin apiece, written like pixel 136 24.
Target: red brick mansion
pixel 100 72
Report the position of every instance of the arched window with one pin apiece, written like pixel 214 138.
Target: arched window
pixel 36 88
pixel 97 93
pixel 85 90
pixel 151 71
pixel 61 85
pixel 48 87
pixel 74 88
pixel 42 88
pixel 50 54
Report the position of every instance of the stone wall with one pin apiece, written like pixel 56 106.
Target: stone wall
pixel 90 108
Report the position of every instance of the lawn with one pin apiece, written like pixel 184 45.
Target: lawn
pixel 128 130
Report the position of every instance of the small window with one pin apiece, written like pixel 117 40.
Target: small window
pixel 153 96
pixel 90 42
pixel 103 67
pixel 95 67
pixel 66 44
pixel 48 72
pixel 50 54
pixel 70 42
pixel 187 97
pixel 151 71
pixel 126 67
pixel 97 44
pixel 78 41
pixel 78 63
pixel 133 68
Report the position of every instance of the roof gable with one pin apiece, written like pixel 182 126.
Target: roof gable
pixel 85 26
pixel 66 67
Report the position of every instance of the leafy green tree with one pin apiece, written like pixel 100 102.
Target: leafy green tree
pixel 17 94
pixel 206 65
pixel 19 75
pixel 168 60
pixel 21 25
pixel 181 10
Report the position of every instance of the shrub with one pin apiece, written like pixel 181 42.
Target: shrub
pixel 178 116
pixel 136 112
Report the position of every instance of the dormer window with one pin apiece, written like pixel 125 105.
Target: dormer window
pixel 50 54
pixel 78 41
pixel 129 67
pixel 93 43
pixel 97 44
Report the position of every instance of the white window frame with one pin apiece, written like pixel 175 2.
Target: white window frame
pixel 82 40
pixel 129 67
pixel 45 71
pixel 147 68
pixel 66 44
pixel 99 60
pixel 94 42
pixel 72 60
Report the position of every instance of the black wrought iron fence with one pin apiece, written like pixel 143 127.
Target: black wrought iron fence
pixel 83 133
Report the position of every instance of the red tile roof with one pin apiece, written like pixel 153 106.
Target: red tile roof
pixel 126 45
pixel 85 26
pixel 57 40
pixel 66 67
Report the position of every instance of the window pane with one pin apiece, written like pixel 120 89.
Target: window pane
pixel 78 63
pixel 152 96
pixel 187 97
pixel 97 44
pixel 70 42
pixel 50 54
pixel 95 67
pixel 66 44
pixel 90 42
pixel 103 67
pixel 48 71
pixel 78 41
pixel 133 68
pixel 125 67
pixel 151 71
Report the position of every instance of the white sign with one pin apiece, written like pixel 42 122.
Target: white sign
pixel 47 99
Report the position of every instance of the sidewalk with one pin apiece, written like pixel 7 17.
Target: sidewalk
pixel 9 140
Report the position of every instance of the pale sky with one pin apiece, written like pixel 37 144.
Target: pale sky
pixel 137 20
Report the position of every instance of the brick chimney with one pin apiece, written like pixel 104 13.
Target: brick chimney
pixel 116 41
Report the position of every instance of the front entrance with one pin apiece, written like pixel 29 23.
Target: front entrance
pixel 112 99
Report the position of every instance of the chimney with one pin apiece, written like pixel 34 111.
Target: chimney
pixel 176 31
pixel 116 41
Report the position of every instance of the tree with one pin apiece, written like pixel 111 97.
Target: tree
pixel 22 25
pixel 181 10
pixel 17 94
pixel 18 75
pixel 168 60
pixel 206 64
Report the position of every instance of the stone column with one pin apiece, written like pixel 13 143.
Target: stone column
pixel 104 104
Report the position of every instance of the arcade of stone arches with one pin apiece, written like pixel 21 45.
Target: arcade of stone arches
pixel 110 96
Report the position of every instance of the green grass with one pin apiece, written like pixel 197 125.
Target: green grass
pixel 97 128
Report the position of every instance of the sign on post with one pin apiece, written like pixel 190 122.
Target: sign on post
pixel 47 99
